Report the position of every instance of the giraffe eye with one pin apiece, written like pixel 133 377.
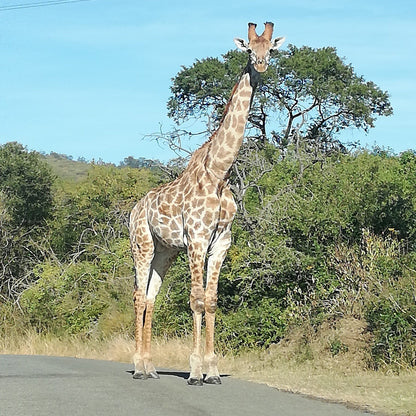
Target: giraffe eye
pixel 249 50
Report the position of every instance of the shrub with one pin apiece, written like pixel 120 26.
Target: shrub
pixel 374 281
pixel 248 328
pixel 77 298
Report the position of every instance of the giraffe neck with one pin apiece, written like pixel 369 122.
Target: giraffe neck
pixel 226 141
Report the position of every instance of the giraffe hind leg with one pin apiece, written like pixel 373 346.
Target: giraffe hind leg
pixel 162 259
pixel 160 263
pixel 144 367
pixel 139 309
pixel 142 248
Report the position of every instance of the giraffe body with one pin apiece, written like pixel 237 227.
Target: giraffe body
pixel 194 213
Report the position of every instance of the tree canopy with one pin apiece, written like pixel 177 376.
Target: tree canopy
pixel 307 96
pixel 26 203
pixel 25 185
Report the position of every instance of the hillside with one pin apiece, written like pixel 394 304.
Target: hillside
pixel 67 169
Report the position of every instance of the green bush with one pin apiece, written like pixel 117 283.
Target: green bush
pixel 391 314
pixel 64 301
pixel 374 281
pixel 248 328
pixel 95 211
pixel 77 298
pixel 173 316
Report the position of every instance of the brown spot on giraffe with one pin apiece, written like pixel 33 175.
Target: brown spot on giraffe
pixel 194 213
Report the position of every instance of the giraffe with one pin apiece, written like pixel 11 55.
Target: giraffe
pixel 194 213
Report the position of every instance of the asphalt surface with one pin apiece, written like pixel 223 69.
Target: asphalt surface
pixel 39 385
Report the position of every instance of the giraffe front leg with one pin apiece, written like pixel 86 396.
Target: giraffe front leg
pixel 210 358
pixel 196 263
pixel 195 361
pixel 216 258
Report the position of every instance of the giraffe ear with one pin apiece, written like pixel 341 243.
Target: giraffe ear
pixel 277 43
pixel 241 44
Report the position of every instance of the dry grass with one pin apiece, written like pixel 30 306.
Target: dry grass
pixel 369 390
pixel 170 354
pixel 314 372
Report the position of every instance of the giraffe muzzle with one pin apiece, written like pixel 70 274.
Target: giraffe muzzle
pixel 260 66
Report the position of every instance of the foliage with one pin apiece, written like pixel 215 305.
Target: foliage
pixel 247 328
pixel 86 280
pixel 78 266
pixel 95 210
pixel 317 83
pixel 25 186
pixel 75 298
pixel 172 311
pixel 373 281
pixel 204 87
pixel 141 162
pixel 299 255
pixel 361 190
pixel 26 203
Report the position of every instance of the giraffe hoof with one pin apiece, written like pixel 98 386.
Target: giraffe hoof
pixel 192 381
pixel 213 380
pixel 154 375
pixel 139 376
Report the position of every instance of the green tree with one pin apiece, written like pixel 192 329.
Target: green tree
pixel 307 98
pixel 25 185
pixel 321 96
pixel 26 202
pixel 141 162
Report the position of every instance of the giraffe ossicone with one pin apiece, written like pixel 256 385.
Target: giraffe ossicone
pixel 194 213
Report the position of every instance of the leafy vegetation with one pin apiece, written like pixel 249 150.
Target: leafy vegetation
pixel 323 234
pixel 320 247
pixel 25 205
pixel 25 186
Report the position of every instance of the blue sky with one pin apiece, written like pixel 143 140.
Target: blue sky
pixel 91 78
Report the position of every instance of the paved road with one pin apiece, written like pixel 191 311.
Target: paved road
pixel 38 385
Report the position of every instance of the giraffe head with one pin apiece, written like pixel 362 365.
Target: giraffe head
pixel 259 47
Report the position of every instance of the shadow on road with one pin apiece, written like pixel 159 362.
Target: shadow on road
pixel 180 374
pixel 174 373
